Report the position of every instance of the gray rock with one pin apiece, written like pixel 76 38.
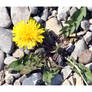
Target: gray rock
pixel 70 48
pixel 66 71
pixel 9 60
pixel 57 80
pixel 6 43
pixel 63 13
pixel 90 28
pixel 32 79
pixel 0 75
pixel 41 52
pixel 80 46
pixel 1 60
pixel 89 8
pixel 45 14
pixel 54 13
pixel 85 57
pixel 20 80
pixel 85 25
pixel 37 18
pixel 9 79
pixel 19 13
pixel 88 37
pixel 90 48
pixel 4 17
pixel 33 10
pixel 59 60
pixel 26 51
pixel 72 10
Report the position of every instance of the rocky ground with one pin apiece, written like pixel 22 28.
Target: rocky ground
pixel 52 18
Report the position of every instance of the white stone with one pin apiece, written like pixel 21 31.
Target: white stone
pixel 19 13
pixel 9 60
pixel 52 24
pixel 4 17
pixel 18 53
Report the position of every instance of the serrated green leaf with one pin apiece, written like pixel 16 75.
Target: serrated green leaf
pixel 70 22
pixel 72 29
pixel 66 34
pixel 88 76
pixel 16 65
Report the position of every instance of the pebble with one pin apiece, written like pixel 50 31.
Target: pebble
pixel 0 75
pixel 19 13
pixel 63 13
pixel 32 79
pixel 90 28
pixel 70 48
pixel 90 48
pixel 6 43
pixel 89 8
pixel 20 80
pixel 4 17
pixel 37 18
pixel 26 51
pixel 85 57
pixel 33 10
pixel 18 53
pixel 54 13
pixel 8 60
pixel 66 71
pixel 52 24
pixel 9 79
pixel 45 14
pixel 66 83
pixel 1 60
pixel 78 80
pixel 85 25
pixel 60 60
pixel 57 80
pixel 88 37
pixel 80 46
pixel 73 10
pixel 41 52
pixel 90 21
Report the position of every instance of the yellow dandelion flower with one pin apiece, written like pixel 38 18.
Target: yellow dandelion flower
pixel 28 34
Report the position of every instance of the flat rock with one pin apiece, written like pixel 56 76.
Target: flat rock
pixel 78 80
pixel 19 13
pixel 80 46
pixel 66 71
pixel 6 43
pixel 1 60
pixel 73 10
pixel 18 53
pixel 57 80
pixel 54 25
pixel 85 24
pixel 88 37
pixel 0 75
pixel 33 10
pixel 45 14
pixel 8 60
pixel 4 17
pixel 32 79
pixel 85 57
pixel 63 13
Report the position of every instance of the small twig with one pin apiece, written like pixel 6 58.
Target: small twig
pixel 77 69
